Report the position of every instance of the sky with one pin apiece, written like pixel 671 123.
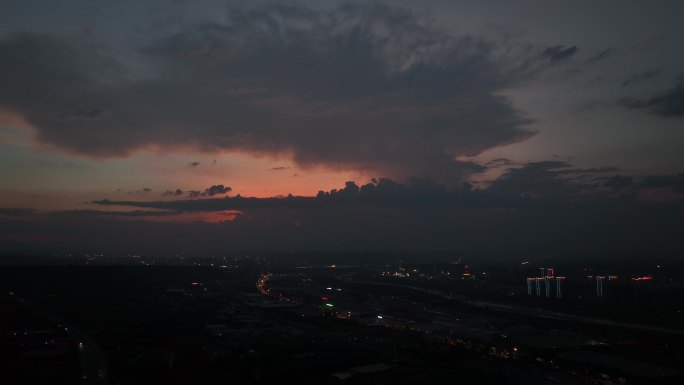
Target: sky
pixel 479 127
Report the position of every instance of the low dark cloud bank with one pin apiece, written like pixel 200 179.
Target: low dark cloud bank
pixel 532 210
pixel 15 212
pixel 547 183
pixel 105 213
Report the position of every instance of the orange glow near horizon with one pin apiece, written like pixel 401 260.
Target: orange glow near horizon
pixel 249 175
pixel 145 176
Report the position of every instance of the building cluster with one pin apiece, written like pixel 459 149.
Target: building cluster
pixel 599 282
pixel 545 283
pixel 548 284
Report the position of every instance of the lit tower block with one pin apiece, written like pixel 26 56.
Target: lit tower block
pixel 550 272
pixel 542 272
pixel 547 286
pixel 536 280
pixel 559 294
pixel 529 286
pixel 599 285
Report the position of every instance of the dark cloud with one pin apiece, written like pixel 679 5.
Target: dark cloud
pixel 640 77
pixel 546 179
pixel 499 162
pixel 534 209
pixel 559 52
pixel 176 192
pixel 217 190
pixel 669 103
pixel 416 193
pixel 601 55
pixel 211 191
pixel 618 228
pixel 550 181
pixel 144 190
pixel 359 86
pixel 193 164
pixel 279 168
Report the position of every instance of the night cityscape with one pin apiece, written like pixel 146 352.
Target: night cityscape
pixel 341 192
pixel 257 319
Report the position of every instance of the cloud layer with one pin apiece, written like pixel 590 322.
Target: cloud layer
pixel 382 215
pixel 538 208
pixel 359 86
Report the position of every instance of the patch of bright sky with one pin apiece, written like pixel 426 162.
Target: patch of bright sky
pixel 39 178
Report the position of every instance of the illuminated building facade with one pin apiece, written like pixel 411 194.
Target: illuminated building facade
pixel 547 276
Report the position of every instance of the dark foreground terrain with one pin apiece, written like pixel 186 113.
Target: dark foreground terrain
pixel 248 324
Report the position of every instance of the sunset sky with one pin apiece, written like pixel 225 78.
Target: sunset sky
pixel 449 111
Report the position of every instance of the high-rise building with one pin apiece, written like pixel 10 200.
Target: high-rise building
pixel 529 286
pixel 547 275
pixel 599 285
pixel 547 286
pixel 559 294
